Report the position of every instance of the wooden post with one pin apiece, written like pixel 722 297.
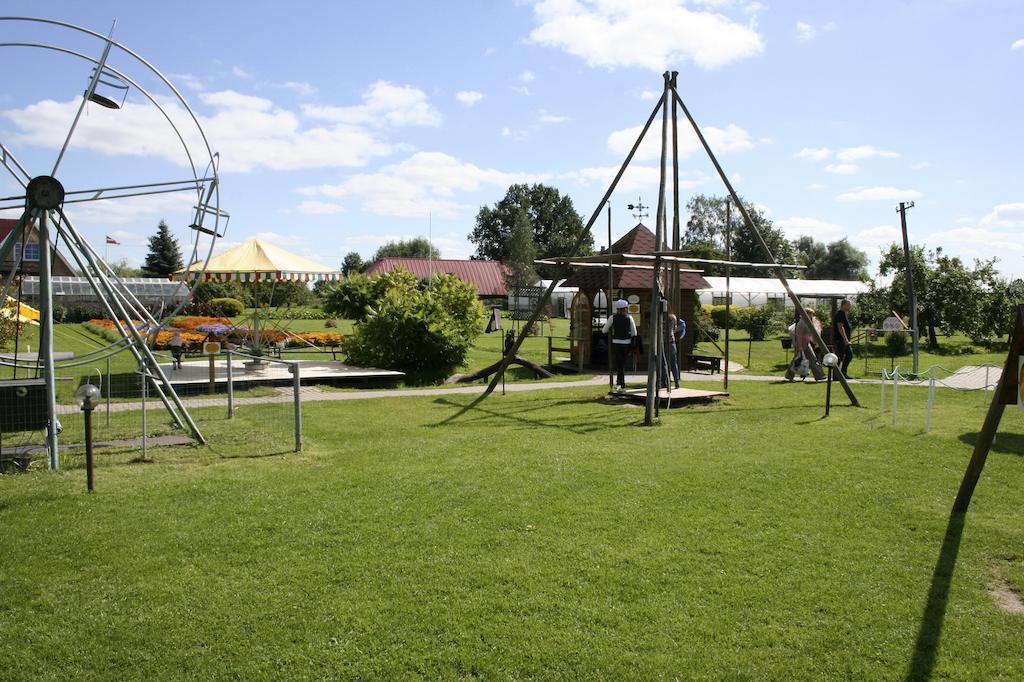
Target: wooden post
pixel 1008 390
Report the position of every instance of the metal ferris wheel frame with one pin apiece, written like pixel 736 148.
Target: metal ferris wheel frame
pixel 44 201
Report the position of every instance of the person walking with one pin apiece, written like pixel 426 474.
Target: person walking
pixel 623 330
pixel 842 332
pixel 177 344
pixel 672 346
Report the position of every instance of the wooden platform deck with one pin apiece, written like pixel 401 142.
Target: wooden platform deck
pixel 677 398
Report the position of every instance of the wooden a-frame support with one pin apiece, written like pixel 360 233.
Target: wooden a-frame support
pixel 669 95
pixel 1007 389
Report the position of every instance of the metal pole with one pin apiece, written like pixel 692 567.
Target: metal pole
pixel 728 291
pixel 231 387
pixel 895 393
pixel 144 377
pixel 881 405
pixel 87 410
pixel 608 300
pixel 296 397
pixel 931 402
pixel 108 392
pixel 46 337
pixel 764 245
pixel 675 297
pixel 828 393
pixel 653 352
pixel 910 279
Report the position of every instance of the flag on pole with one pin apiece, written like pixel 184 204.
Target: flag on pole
pixel 111 240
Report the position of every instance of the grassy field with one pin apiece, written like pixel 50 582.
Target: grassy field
pixel 541 535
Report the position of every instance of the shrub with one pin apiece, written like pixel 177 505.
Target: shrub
pixel 227 307
pixel 757 321
pixel 83 313
pixel 896 344
pixel 331 323
pixel 425 332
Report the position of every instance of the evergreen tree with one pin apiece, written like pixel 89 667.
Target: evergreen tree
pixel 164 257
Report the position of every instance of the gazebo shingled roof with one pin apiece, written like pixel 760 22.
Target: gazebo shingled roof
pixel 641 241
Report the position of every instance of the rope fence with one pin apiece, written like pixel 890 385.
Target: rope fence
pixel 933 377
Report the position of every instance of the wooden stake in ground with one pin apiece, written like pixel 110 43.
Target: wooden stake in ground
pixel 1008 392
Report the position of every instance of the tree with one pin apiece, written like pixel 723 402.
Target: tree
pixel 522 252
pixel 122 269
pixel 837 260
pixel 555 224
pixel 950 296
pixel 418 247
pixel 707 225
pixel 353 263
pixel 164 257
pixel 422 329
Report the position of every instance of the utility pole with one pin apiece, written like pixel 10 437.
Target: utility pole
pixel 915 334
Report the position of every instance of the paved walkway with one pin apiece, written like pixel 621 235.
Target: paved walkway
pixel 969 378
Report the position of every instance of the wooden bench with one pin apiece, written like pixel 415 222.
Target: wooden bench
pixel 712 363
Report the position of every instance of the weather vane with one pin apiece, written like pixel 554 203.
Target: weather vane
pixel 638 207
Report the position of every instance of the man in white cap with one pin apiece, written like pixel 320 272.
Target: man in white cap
pixel 623 329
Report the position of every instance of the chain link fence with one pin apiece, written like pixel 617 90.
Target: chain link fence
pixel 222 394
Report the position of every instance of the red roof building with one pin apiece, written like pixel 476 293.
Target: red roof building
pixel 27 254
pixel 487 276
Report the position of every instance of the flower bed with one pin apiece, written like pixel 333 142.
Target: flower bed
pixel 194 330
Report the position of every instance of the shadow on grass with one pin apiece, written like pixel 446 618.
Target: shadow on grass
pixel 480 414
pixel 1007 443
pixel 926 646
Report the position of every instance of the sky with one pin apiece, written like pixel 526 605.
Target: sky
pixel 343 125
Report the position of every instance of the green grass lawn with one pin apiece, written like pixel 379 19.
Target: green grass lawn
pixel 541 535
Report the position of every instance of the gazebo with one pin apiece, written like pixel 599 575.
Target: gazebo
pixel 630 280
pixel 259 262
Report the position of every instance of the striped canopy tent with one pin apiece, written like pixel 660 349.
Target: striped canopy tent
pixel 258 261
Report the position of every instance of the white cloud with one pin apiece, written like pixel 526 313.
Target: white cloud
pixel 517 135
pixel 383 102
pixel 879 194
pixel 1005 215
pixel 649 95
pixel 320 208
pixel 1017 44
pixel 805 31
pixel 239 72
pixel 977 242
pixel 815 186
pixel 729 139
pixel 248 131
pixel 527 77
pixel 814 153
pixel 842 168
pixel 426 182
pixel 654 34
pixel 546 117
pixel 188 80
pixel 921 165
pixel 797 227
pixel 864 151
pixel 877 236
pixel 489 51
pixel 636 177
pixel 469 97
pixel 176 208
pixel 230 99
pixel 301 88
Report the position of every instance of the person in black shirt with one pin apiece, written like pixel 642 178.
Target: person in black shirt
pixel 623 330
pixel 841 333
